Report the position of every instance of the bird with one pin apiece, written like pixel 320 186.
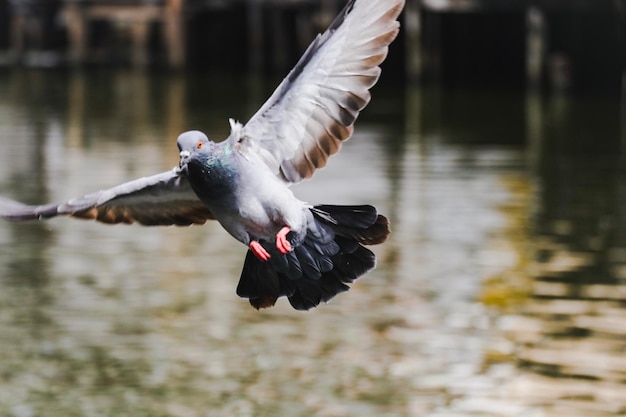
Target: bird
pixel 306 253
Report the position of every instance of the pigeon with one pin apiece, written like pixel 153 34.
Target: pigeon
pixel 307 253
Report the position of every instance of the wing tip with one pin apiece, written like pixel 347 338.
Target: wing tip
pixel 13 210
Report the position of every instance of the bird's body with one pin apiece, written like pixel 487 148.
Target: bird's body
pixel 307 253
pixel 228 184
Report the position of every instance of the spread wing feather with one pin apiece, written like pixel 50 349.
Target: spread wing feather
pixel 313 110
pixel 157 200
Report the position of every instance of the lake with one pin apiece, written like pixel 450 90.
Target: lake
pixel 501 292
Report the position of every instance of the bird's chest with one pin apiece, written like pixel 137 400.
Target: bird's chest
pixel 247 202
pixel 214 183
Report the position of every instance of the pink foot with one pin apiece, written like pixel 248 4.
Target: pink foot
pixel 282 244
pixel 259 251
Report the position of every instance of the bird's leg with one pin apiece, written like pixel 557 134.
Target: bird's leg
pixel 259 251
pixel 282 244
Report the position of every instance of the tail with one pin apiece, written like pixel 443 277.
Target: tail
pixel 325 259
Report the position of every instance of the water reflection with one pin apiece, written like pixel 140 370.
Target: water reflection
pixel 501 291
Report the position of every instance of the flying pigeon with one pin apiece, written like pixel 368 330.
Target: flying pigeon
pixel 307 253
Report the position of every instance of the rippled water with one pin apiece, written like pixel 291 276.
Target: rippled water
pixel 502 291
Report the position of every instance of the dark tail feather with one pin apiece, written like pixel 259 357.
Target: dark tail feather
pixel 330 257
pixel 347 267
pixel 362 223
pixel 258 282
pixel 262 285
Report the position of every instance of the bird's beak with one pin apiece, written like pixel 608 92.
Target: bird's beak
pixel 184 158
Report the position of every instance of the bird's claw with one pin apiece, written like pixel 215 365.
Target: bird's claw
pixel 282 244
pixel 259 251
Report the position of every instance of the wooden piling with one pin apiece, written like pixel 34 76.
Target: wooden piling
pixel 536 40
pixel 77 32
pixel 255 40
pixel 174 33
pixel 79 16
pixel 279 40
pixel 18 25
pixel 413 38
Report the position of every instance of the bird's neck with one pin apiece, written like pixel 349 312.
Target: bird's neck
pixel 213 176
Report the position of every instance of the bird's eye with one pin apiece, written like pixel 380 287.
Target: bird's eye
pixel 199 145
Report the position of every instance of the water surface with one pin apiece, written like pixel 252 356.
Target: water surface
pixel 501 292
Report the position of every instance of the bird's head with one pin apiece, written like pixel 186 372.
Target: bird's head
pixel 191 144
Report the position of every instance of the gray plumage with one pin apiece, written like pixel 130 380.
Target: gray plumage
pixel 163 199
pixel 307 253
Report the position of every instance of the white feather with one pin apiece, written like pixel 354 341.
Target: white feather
pixel 312 111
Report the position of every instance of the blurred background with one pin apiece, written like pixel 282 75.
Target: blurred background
pixel 494 142
pixel 558 44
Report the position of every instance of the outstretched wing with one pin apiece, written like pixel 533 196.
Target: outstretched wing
pixel 158 200
pixel 313 110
